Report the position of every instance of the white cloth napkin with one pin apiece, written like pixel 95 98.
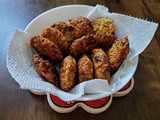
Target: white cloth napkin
pixel 19 59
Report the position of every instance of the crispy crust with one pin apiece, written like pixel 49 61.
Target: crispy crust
pixel 118 53
pixel 101 64
pixel 83 24
pixel 104 27
pixel 85 69
pixel 57 37
pixel 84 45
pixel 45 69
pixel 45 47
pixel 69 31
pixel 68 73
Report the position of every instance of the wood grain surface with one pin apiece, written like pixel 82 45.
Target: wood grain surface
pixel 143 103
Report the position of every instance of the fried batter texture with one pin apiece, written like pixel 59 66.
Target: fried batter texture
pixel 104 27
pixel 69 31
pixel 117 53
pixel 101 64
pixel 45 47
pixel 68 73
pixel 57 37
pixel 45 69
pixel 85 69
pixel 84 45
pixel 83 24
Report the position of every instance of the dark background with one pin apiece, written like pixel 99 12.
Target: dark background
pixel 142 103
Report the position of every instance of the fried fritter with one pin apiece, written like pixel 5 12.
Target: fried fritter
pixel 101 64
pixel 57 37
pixel 85 69
pixel 45 69
pixel 104 27
pixel 117 53
pixel 45 47
pixel 68 73
pixel 69 31
pixel 84 45
pixel 83 24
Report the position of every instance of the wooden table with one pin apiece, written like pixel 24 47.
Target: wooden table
pixel 142 103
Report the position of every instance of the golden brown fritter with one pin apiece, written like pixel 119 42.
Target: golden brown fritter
pixel 104 27
pixel 45 47
pixel 84 45
pixel 45 69
pixel 69 31
pixel 85 69
pixel 117 53
pixel 68 73
pixel 57 37
pixel 83 24
pixel 101 64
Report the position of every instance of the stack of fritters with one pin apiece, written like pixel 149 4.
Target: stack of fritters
pixel 73 43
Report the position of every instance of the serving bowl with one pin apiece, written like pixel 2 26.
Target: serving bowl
pixel 87 102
